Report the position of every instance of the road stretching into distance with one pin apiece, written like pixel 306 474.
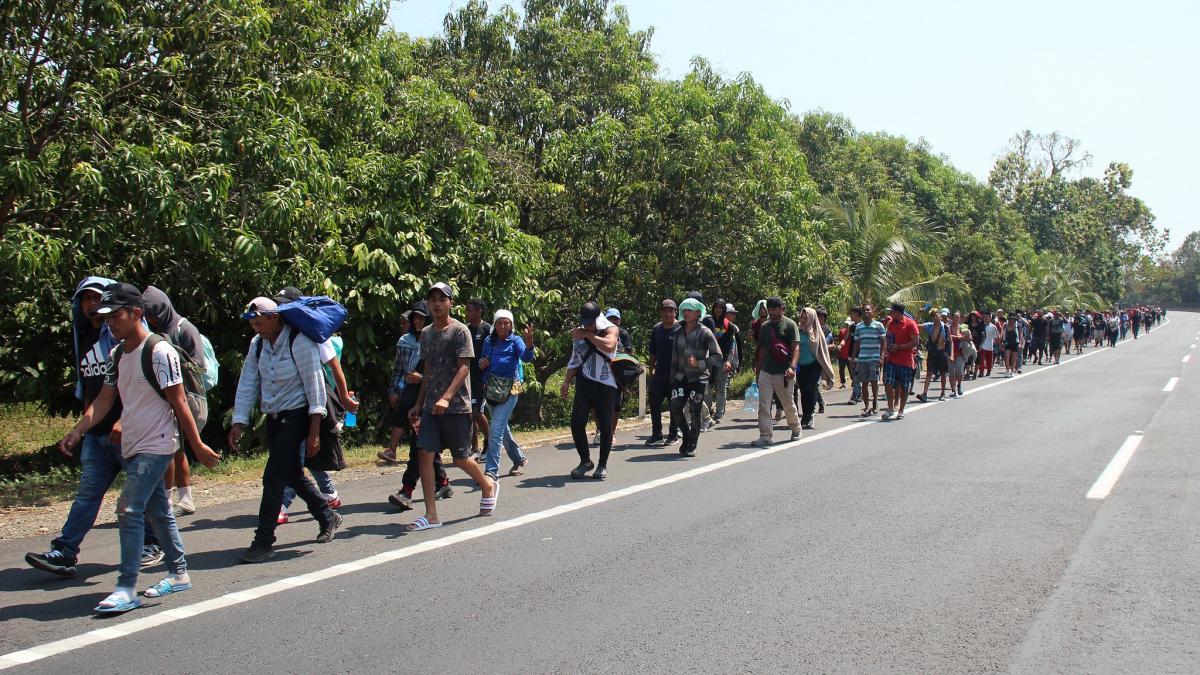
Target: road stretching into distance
pixel 1042 523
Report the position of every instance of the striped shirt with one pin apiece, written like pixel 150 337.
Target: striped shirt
pixel 870 339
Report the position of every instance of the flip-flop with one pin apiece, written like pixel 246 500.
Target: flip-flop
pixel 122 604
pixel 487 505
pixel 421 523
pixel 166 587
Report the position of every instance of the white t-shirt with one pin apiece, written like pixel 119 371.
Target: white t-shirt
pixel 148 424
pixel 989 337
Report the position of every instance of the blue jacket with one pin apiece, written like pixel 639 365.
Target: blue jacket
pixel 504 358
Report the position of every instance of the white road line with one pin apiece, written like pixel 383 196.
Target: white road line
pixel 1171 384
pixel 1187 357
pixel 1112 473
pixel 1193 346
pixel 246 595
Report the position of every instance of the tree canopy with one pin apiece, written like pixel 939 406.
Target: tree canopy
pixel 536 160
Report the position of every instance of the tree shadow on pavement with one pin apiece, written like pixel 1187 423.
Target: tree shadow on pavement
pixel 661 457
pixel 245 521
pixel 228 557
pixel 69 607
pixel 546 481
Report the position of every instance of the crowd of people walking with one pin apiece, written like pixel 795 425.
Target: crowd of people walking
pixel 143 373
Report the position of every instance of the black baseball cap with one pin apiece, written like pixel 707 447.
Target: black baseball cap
pixel 588 313
pixel 287 294
pixel 897 307
pixel 419 307
pixel 116 296
pixel 443 288
pixel 774 301
pixel 668 304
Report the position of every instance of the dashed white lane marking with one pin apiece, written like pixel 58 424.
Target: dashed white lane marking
pixel 238 597
pixel 1171 384
pixel 1187 357
pixel 1112 473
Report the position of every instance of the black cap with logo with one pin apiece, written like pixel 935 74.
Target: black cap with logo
pixel 116 296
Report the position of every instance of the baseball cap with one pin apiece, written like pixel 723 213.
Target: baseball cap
pixel 419 307
pixel 287 294
pixel 730 309
pixel 259 306
pixel 945 311
pixel 588 313
pixel 443 288
pixel 774 301
pixel 116 296
pixel 612 313
pixel 668 304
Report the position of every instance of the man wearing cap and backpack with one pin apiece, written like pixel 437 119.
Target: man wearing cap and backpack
pixel 282 374
pixel 155 410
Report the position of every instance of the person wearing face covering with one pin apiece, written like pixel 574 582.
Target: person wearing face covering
pixel 695 353
pixel 162 317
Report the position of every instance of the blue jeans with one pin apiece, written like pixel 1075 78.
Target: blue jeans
pixel 499 432
pixel 143 504
pixel 100 463
pixel 324 482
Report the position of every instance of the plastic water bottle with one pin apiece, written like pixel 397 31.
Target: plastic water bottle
pixel 751 400
pixel 350 420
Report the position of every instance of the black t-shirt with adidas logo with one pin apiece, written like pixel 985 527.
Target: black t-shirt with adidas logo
pixel 93 361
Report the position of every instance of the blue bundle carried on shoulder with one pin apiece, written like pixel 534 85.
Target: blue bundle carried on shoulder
pixel 318 316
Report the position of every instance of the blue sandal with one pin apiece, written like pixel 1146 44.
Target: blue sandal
pixel 117 603
pixel 166 587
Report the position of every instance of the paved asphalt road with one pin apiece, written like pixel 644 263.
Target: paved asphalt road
pixel 957 539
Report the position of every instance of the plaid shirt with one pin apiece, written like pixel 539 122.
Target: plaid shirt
pixel 408 355
pixel 280 378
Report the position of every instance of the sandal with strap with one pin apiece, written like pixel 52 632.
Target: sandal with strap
pixel 421 523
pixel 166 587
pixel 118 602
pixel 487 505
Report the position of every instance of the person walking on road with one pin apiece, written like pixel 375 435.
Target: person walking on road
pixel 480 329
pixel 282 374
pixel 775 369
pixel 694 354
pixel 150 385
pixel 100 455
pixel 593 346
pixel 662 345
pixel 812 364
pixel 503 353
pixel 443 410
pixel 903 336
pixel 402 396
pixel 869 336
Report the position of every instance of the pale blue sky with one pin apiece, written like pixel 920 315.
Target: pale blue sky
pixel 1120 76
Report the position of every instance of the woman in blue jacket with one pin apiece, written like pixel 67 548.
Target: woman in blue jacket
pixel 503 352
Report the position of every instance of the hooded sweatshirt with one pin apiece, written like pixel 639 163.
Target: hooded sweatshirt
pixel 181 331
pixel 92 349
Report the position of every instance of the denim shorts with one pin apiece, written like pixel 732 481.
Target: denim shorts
pixel 867 370
pixel 448 431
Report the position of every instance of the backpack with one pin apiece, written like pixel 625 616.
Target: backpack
pixel 318 317
pixel 331 456
pixel 193 374
pixel 626 368
pixel 211 365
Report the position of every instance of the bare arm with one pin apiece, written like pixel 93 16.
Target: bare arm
pixel 95 411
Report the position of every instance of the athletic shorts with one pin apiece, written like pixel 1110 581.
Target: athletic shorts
pixel 897 376
pixel 448 431
pixel 937 364
pixel 1055 341
pixel 866 370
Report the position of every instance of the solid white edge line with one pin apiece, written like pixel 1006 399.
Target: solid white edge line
pixel 1112 473
pixel 1171 384
pixel 39 652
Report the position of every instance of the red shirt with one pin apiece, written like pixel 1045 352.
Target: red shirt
pixel 899 333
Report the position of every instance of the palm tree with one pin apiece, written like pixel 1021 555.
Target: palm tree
pixel 1056 280
pixel 889 256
